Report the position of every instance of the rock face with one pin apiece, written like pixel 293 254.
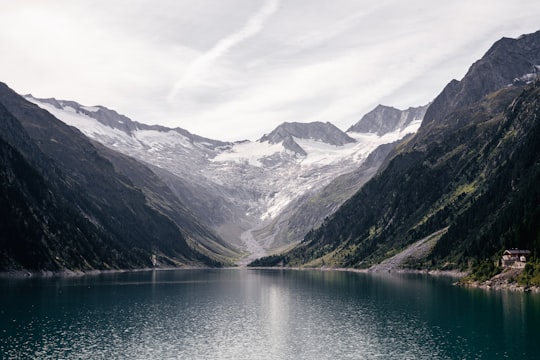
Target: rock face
pixel 385 119
pixel 318 131
pixel 66 206
pixel 507 62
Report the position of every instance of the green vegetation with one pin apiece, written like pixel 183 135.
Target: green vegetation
pixel 531 274
pixel 482 271
pixel 476 173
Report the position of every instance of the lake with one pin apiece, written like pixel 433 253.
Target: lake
pixel 263 314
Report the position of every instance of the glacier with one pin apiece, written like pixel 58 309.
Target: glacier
pixel 255 180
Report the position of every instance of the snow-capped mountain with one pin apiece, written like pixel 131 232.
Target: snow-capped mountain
pixel 235 187
pixel 384 119
pixel 323 132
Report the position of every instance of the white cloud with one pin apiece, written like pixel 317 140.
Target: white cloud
pixel 67 54
pixel 236 69
pixel 197 69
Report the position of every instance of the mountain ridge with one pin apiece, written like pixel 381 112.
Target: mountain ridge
pixel 471 169
pixel 506 61
pixel 115 120
pixel 233 187
pixel 318 131
pixel 106 208
pixel 383 119
pixel 329 133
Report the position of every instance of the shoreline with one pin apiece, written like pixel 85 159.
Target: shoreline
pixel 26 274
pixel 488 285
pixel 505 280
pixel 448 273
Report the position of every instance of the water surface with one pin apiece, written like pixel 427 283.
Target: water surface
pixel 263 314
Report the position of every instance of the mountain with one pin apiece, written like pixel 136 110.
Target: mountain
pixel 309 210
pixel 507 62
pixel 175 155
pixel 66 206
pixel 240 189
pixel 384 119
pixel 168 201
pixel 317 131
pixel 465 185
pixel 110 119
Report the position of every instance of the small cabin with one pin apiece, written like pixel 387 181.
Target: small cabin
pixel 515 258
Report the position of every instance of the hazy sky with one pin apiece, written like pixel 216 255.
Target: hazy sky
pixel 235 69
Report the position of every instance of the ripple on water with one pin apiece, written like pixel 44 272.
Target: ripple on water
pixel 246 314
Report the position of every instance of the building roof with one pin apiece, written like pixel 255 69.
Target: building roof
pixel 517 252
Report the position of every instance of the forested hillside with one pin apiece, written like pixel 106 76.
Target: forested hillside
pixel 476 174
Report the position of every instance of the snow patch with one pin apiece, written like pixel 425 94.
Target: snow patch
pixel 90 126
pixel 161 139
pixel 249 152
pixel 529 77
pixel 70 109
pixel 90 108
pixel 321 153
pixel 388 137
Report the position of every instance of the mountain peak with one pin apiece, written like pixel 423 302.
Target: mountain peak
pixel 384 119
pixel 102 114
pixel 318 131
pixel 65 109
pixel 507 62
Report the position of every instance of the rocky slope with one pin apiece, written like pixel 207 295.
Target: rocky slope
pixel 385 119
pixel 507 62
pixel 67 206
pixel 317 131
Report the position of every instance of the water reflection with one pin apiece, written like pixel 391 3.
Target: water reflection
pixel 262 314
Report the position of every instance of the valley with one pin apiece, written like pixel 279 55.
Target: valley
pixel 242 187
pixel 304 195
pixel 472 168
pixel 270 179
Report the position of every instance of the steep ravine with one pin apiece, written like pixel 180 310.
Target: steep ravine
pixel 254 249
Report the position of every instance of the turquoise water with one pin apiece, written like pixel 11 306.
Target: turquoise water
pixel 263 314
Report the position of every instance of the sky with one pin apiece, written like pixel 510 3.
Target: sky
pixel 236 69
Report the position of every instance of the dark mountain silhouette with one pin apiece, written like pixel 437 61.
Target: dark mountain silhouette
pixel 65 205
